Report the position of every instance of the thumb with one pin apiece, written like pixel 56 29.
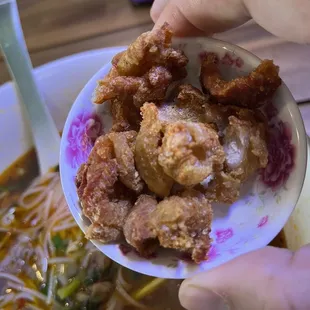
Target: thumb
pixel 269 278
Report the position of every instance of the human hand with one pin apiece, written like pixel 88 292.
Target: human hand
pixel 269 279
pixel 289 19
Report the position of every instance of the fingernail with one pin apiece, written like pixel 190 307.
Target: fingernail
pixel 194 297
pixel 157 7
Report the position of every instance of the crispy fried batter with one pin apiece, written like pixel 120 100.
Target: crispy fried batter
pixel 111 218
pixel 105 200
pixel 99 181
pixel 184 223
pixel 125 116
pixel 245 147
pixel 249 91
pixel 138 229
pixel 154 86
pixel 190 152
pixel 147 151
pixel 138 90
pixel 191 98
pixel 223 188
pixel 144 71
pixel 218 115
pixel 242 133
pixel 124 146
pixel 153 47
pixel 190 105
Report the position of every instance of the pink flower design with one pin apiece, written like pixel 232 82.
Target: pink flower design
pixel 230 59
pixel 223 235
pixel 239 62
pixel 281 155
pixel 83 132
pixel 263 221
pixel 212 254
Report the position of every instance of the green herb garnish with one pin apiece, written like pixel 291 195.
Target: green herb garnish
pixel 59 243
pixel 69 289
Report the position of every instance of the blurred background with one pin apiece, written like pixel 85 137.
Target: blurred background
pixel 58 28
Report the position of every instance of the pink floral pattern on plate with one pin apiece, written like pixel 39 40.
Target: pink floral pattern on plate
pixel 222 235
pixel 83 132
pixel 232 60
pixel 213 253
pixel 263 221
pixel 229 59
pixel 281 151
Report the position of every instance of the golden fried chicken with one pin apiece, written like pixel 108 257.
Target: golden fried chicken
pixel 144 71
pixel 137 90
pixel 184 223
pixel 124 147
pixel 125 117
pixel 138 229
pixel 245 147
pixel 221 188
pixel 149 49
pixel 190 105
pixel 190 152
pixel 101 182
pixel 107 217
pixel 190 97
pixel 243 136
pixel 248 91
pixel 111 217
pixel 147 150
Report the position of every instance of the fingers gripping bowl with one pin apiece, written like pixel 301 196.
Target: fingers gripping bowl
pixel 174 170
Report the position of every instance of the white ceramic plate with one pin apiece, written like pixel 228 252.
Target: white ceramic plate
pixel 250 223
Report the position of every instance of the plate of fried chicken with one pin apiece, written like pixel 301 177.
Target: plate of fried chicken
pixel 182 154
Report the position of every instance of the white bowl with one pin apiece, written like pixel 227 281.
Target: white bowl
pixel 248 224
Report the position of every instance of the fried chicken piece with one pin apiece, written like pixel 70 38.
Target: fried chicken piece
pixel 184 223
pixel 152 47
pixel 144 71
pixel 218 115
pixel 245 147
pixel 222 188
pixel 242 133
pixel 138 90
pixel 190 97
pixel 147 150
pixel 81 180
pixel 138 229
pixel 124 147
pixel 154 86
pixel 190 152
pixel 102 233
pixel 102 150
pixel 125 116
pixel 248 91
pixel 99 181
pixel 110 222
pixel 190 105
pixel 104 198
